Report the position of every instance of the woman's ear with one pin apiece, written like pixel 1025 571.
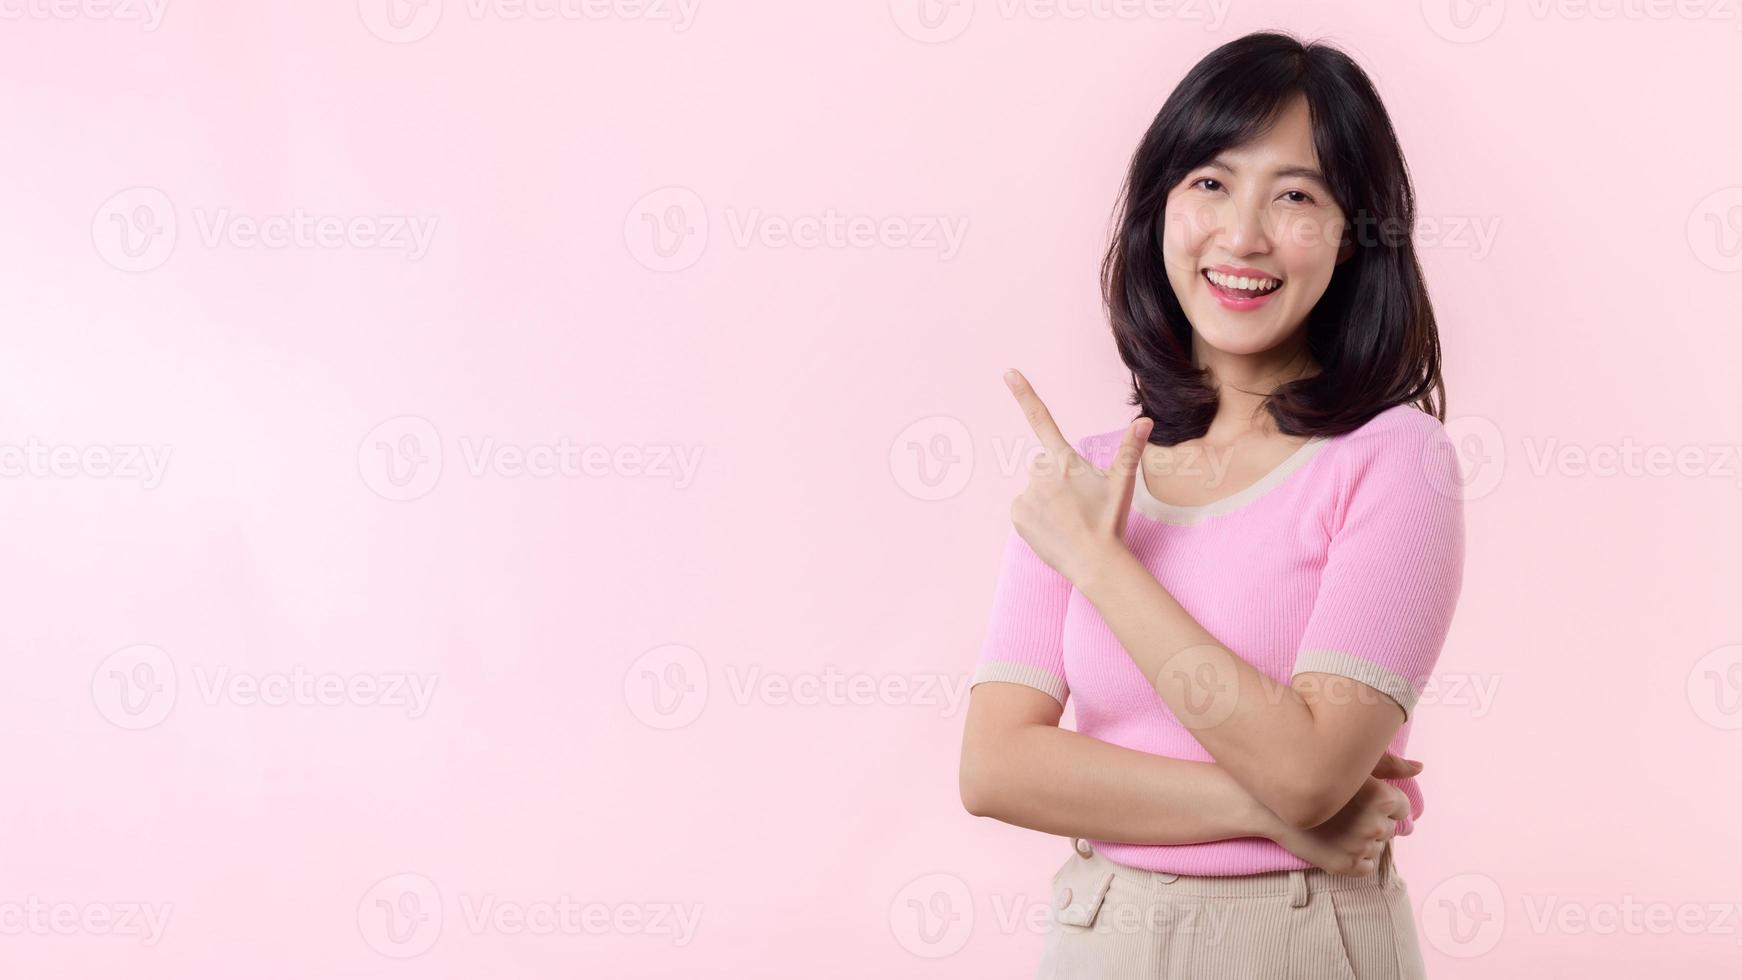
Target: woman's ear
pixel 1344 251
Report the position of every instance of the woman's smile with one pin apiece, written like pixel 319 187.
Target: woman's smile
pixel 1240 288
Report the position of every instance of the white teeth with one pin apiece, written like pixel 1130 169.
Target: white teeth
pixel 1241 282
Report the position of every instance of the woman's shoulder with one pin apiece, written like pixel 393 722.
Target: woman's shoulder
pixel 1401 431
pixel 1403 420
pixel 1401 452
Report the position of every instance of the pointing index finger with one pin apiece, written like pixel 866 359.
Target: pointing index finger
pixel 1039 419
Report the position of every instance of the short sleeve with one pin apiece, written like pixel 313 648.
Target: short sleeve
pixel 1394 565
pixel 1025 639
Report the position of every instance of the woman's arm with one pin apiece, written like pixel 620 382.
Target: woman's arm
pixel 1020 768
pixel 1385 601
pixel 1302 752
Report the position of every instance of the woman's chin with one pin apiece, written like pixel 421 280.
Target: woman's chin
pixel 1239 338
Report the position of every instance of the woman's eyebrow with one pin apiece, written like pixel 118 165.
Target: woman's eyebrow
pixel 1295 170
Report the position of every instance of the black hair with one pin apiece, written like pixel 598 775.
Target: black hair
pixel 1372 333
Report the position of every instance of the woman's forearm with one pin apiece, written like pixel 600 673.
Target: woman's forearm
pixel 1263 732
pixel 1061 782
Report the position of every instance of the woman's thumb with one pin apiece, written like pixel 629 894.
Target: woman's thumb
pixel 1392 767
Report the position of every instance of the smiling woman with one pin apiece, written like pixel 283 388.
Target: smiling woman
pixel 1272 160
pixel 1246 644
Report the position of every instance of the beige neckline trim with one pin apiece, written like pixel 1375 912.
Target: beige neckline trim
pixel 1146 503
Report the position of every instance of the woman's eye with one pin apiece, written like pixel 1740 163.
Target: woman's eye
pixel 1302 195
pixel 1207 180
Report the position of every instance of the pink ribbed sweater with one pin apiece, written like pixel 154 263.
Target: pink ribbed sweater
pixel 1347 558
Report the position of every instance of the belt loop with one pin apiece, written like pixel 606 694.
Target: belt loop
pixel 1387 867
pixel 1297 888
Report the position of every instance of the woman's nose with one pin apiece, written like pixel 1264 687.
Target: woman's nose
pixel 1247 231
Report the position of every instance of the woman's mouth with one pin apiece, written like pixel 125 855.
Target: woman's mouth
pixel 1241 292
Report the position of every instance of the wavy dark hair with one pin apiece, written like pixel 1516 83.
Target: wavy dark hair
pixel 1372 333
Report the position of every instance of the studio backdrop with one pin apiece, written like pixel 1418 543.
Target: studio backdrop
pixel 520 488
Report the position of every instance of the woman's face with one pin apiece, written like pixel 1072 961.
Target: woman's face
pixel 1258 211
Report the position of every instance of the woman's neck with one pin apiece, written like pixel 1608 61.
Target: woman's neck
pixel 1242 383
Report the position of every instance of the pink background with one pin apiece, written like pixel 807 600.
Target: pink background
pixel 730 689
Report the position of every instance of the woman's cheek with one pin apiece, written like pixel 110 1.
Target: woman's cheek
pixel 1296 235
pixel 1175 235
pixel 1321 236
pixel 1307 245
pixel 1188 225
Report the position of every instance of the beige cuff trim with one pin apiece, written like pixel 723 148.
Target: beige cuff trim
pixel 1377 676
pixel 1038 678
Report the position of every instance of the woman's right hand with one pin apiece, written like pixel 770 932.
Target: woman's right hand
pixel 1351 842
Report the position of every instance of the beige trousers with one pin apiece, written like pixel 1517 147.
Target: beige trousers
pixel 1112 922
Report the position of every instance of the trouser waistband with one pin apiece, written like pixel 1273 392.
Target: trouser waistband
pixel 1297 884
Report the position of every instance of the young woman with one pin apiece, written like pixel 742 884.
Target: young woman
pixel 1247 588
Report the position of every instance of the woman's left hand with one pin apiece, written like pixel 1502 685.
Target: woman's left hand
pixel 1072 514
